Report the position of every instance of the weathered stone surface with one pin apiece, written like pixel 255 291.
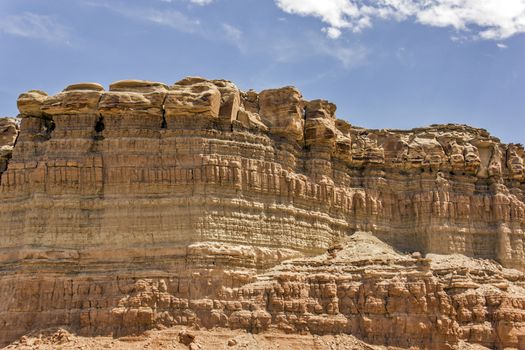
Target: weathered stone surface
pixel 218 338
pixel 72 102
pixel 192 99
pixel 8 135
pixel 283 108
pixel 319 129
pixel 250 100
pixel 8 131
pixel 137 98
pixel 230 99
pixel 138 86
pixel 152 206
pixel 85 86
pixel 251 120
pixel 30 103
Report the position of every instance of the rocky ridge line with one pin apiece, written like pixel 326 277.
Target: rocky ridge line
pixel 152 205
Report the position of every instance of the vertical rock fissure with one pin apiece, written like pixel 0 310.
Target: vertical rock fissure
pixel 50 127
pixel 99 125
pixel 164 124
pixel 304 126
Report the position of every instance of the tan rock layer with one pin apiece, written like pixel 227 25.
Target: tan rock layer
pixel 8 134
pixel 141 176
pixel 360 287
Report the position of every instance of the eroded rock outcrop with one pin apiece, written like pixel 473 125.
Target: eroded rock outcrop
pixel 8 136
pixel 360 286
pixel 154 204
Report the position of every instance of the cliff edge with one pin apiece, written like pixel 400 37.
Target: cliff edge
pixel 198 204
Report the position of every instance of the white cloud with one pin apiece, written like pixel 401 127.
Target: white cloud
pixel 332 33
pixel 483 19
pixel 201 2
pixel 174 19
pixel 232 32
pixel 502 46
pixel 168 18
pixel 31 25
pixel 333 12
pixel 196 2
pixel 350 57
pixel 280 46
pixel 291 50
pixel 234 36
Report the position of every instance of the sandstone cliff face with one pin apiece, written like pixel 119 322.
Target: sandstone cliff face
pixel 152 204
pixel 8 135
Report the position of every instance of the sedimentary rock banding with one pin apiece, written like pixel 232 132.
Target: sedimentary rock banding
pixel 189 192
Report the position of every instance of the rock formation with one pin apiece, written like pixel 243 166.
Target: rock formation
pixel 8 135
pixel 200 204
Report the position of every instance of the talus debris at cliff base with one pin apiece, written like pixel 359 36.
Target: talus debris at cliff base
pixel 200 204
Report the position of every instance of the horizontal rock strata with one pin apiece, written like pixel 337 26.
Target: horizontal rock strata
pixel 154 204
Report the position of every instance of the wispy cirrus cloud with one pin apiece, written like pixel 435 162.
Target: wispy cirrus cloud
pixel 292 49
pixel 350 57
pixel 234 36
pixel 280 46
pixel 34 26
pixel 482 19
pixel 196 2
pixel 201 2
pixel 170 18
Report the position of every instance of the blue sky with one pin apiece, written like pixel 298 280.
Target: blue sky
pixel 385 63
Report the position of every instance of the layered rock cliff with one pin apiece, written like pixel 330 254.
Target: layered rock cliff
pixel 198 203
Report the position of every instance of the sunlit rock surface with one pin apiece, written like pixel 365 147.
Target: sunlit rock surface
pixel 196 203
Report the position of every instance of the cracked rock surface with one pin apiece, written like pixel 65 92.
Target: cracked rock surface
pixel 196 204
